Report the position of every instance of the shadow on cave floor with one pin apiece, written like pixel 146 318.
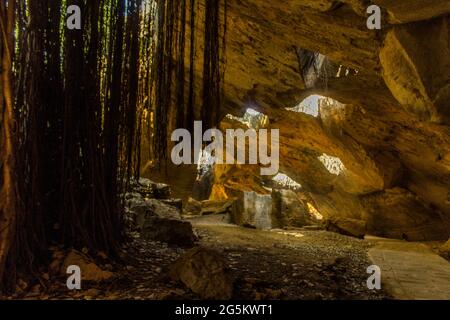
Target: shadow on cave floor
pixel 272 265
pixel 278 264
pixel 294 264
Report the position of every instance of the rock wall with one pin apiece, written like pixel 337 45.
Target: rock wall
pixel 390 123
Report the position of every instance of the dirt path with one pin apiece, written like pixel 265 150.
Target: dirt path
pixel 283 264
pixel 276 264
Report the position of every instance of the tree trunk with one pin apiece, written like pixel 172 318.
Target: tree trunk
pixel 7 185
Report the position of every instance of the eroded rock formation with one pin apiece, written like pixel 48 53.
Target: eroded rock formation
pixel 389 120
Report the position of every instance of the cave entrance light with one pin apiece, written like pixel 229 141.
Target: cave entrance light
pixel 205 164
pixel 313 104
pixel 309 106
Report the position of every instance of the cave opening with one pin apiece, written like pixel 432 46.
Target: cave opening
pixel 309 105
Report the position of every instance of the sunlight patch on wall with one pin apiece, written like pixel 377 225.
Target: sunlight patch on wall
pixel 314 212
pixel 284 181
pixel 334 165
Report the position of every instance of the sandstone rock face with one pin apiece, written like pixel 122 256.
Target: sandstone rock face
pixel 388 123
pixel 231 180
pixel 381 130
pixel 204 271
pixel 397 213
pixel 414 10
pixel 150 189
pixel 416 67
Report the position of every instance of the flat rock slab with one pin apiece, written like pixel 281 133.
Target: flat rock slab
pixel 411 271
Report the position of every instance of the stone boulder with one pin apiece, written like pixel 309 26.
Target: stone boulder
pixel 283 208
pixel 289 210
pixel 347 226
pixel 89 270
pixel 253 210
pixel 217 207
pixel 204 271
pixel 150 189
pixel 192 207
pixel 161 222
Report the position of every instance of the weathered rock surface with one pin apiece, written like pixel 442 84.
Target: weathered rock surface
pixel 416 68
pixel 289 210
pixel 176 203
pixel 217 207
pixel 389 124
pixel 444 250
pixel 413 10
pixel 89 270
pixel 397 213
pixel 204 271
pixel 193 207
pixel 254 210
pixel 150 211
pixel 208 207
pixel 348 226
pixel 160 222
pixel 381 131
pixel 150 189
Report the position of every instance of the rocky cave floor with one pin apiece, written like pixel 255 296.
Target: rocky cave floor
pixel 277 264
